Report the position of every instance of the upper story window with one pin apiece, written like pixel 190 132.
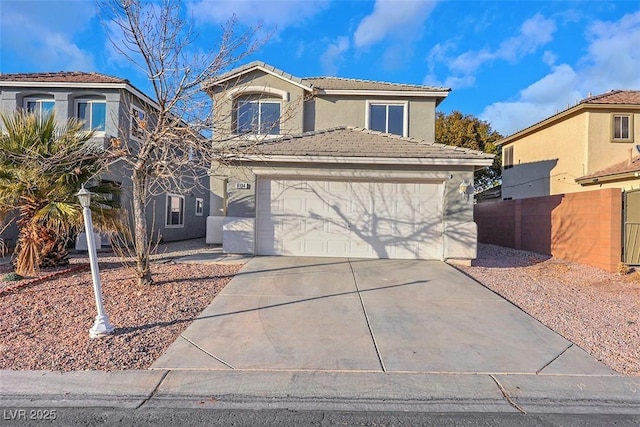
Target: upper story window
pixel 40 107
pixel 138 123
pixel 93 113
pixel 258 116
pixel 388 117
pixel 622 127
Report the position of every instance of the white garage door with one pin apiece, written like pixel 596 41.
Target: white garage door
pixel 401 220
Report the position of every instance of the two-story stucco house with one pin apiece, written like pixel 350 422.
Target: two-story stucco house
pixel 591 145
pixel 337 167
pixel 113 108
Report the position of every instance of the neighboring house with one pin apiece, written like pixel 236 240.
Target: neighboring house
pixel 586 147
pixel 115 110
pixel 337 167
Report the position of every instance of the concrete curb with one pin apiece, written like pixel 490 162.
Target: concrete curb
pixel 121 389
pixel 322 390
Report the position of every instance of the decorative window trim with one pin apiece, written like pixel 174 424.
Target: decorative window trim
pixel 199 206
pixel 134 117
pixel 92 101
pixel 629 137
pixel 168 211
pixel 405 115
pixel 257 90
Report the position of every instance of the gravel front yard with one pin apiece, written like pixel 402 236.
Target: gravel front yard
pixel 45 325
pixel 598 311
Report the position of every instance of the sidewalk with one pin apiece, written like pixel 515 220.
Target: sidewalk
pixel 301 390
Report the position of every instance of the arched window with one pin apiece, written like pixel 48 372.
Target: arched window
pixel 257 109
pixel 258 116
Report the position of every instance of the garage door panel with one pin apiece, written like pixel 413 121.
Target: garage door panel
pixel 357 219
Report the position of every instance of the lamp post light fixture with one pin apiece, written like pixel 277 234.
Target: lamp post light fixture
pixel 465 189
pixel 101 327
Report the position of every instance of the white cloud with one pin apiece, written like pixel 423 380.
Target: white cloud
pixel 549 58
pixel 280 13
pixel 534 32
pixel 469 62
pixel 30 35
pixel 612 61
pixel 392 18
pixel 333 54
pixel 460 82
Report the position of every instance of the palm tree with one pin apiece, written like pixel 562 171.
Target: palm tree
pixel 42 166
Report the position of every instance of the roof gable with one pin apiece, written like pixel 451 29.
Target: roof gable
pixel 330 84
pixel 255 66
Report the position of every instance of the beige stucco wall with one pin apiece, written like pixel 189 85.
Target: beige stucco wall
pixel 547 161
pixel 603 151
pixel 291 107
pixel 325 112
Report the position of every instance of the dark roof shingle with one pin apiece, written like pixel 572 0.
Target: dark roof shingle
pixel 62 77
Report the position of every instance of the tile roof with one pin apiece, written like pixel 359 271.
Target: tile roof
pixel 339 83
pixel 324 83
pixel 62 77
pixel 350 141
pixel 614 97
pixel 627 166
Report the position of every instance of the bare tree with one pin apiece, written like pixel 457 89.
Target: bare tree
pixel 171 149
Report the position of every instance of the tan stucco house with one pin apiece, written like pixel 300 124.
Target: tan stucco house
pixel 337 167
pixel 589 146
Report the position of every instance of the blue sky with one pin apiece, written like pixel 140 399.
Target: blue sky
pixel 510 63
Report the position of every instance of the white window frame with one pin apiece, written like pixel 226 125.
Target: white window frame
pixel 629 137
pixel 199 206
pixel 39 100
pixel 169 197
pixel 405 116
pixel 134 124
pixel 259 102
pixel 92 101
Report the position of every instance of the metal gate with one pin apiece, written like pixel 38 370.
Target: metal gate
pixel 632 227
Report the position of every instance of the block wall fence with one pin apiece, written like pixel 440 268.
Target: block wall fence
pixel 584 227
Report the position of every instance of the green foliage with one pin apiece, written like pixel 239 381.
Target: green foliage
pixel 12 277
pixel 470 132
pixel 42 166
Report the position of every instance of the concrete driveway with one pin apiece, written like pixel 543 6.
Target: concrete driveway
pixel 336 314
